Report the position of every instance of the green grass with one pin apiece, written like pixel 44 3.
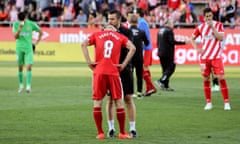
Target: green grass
pixel 59 110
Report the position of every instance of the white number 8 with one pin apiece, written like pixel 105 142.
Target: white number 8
pixel 108 45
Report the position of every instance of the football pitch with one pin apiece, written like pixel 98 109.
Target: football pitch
pixel 59 109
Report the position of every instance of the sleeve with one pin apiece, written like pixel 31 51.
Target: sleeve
pixel 158 35
pixel 170 37
pixel 35 27
pixel 91 39
pixel 145 39
pixel 220 28
pixel 196 33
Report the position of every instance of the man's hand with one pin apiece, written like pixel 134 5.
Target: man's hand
pixel 210 24
pixel 120 67
pixel 21 24
pixel 92 65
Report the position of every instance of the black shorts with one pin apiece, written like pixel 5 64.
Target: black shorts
pixel 127 80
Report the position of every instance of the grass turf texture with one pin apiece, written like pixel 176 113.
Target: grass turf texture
pixel 59 110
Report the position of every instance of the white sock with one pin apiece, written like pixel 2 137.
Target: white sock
pixel 111 124
pixel 132 125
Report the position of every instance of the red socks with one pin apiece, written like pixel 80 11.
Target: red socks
pixel 224 90
pixel 148 81
pixel 207 91
pixel 97 114
pixel 121 119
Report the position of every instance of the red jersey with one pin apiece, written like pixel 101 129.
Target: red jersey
pixel 108 46
pixel 212 47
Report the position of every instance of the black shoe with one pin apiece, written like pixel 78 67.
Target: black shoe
pixel 159 84
pixel 133 133
pixel 111 133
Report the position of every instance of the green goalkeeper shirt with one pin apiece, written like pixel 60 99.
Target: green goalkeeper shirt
pixel 25 38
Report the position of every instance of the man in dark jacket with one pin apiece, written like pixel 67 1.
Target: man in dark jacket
pixel 139 37
pixel 166 44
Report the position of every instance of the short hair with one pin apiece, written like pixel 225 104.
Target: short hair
pixel 129 12
pixel 21 16
pixel 207 10
pixel 118 14
pixel 140 12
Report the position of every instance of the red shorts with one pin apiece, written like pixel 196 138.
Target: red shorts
pixel 215 65
pixel 102 83
pixel 147 59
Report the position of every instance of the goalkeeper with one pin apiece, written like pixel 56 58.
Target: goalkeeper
pixel 22 30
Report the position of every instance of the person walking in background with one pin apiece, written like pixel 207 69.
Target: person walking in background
pixel 211 56
pixel 166 48
pixel 108 44
pixel 139 38
pixel 22 30
pixel 114 18
pixel 147 60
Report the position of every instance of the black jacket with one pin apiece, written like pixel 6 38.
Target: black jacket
pixel 126 32
pixel 139 37
pixel 166 42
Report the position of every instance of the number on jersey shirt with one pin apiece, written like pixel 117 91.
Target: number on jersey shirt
pixel 108 46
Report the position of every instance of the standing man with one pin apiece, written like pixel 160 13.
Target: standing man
pixel 114 18
pixel 166 47
pixel 106 67
pixel 139 38
pixel 143 25
pixel 22 30
pixel 211 56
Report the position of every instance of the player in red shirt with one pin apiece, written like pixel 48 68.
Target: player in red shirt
pixel 106 67
pixel 211 56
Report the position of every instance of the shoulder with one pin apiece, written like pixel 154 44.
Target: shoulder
pixel 125 31
pixel 29 21
pixel 15 23
pixel 121 35
pixel 217 22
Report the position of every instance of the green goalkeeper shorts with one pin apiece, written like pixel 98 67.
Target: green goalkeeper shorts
pixel 24 56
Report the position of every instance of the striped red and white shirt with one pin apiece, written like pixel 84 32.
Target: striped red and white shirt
pixel 212 47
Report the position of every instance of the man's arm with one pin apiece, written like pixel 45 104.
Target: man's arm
pixel 130 46
pixel 85 45
pixel 217 34
pixel 145 39
pixel 17 34
pixel 40 34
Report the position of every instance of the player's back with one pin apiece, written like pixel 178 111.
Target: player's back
pixel 139 37
pixel 108 45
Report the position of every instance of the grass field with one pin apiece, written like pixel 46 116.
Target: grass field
pixel 59 110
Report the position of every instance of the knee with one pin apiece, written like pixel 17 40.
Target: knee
pixel 128 100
